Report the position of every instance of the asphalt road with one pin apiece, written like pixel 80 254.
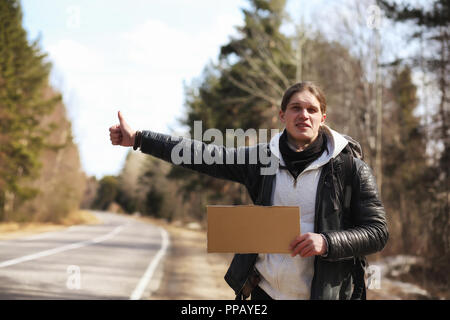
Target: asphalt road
pixel 118 259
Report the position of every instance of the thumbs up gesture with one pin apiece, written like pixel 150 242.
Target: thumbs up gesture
pixel 121 134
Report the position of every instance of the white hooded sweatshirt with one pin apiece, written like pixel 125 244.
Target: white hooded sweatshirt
pixel 285 277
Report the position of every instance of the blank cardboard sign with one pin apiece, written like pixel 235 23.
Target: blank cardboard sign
pixel 252 229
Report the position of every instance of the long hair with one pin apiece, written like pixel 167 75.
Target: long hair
pixel 304 86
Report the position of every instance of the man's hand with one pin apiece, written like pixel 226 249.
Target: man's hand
pixel 308 245
pixel 121 134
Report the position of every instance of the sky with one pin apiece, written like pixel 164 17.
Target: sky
pixel 134 56
pixel 131 56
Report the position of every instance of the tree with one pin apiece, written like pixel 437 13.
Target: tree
pixel 245 88
pixel 89 193
pixel 259 65
pixel 23 79
pixel 131 192
pixel 107 192
pixel 405 166
pixel 143 187
pixel 431 27
pixel 61 181
pixel 242 91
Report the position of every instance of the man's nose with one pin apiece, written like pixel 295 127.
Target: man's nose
pixel 303 113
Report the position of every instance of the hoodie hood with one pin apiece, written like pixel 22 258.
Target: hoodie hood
pixel 335 143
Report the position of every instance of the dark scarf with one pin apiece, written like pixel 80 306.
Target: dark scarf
pixel 296 162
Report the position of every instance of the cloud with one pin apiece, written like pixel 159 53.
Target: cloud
pixel 140 72
pixel 73 56
pixel 159 46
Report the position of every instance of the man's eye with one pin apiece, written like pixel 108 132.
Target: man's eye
pixel 312 110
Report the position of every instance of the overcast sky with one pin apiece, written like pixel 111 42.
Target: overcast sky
pixel 133 56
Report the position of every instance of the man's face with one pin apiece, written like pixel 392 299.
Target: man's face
pixel 302 118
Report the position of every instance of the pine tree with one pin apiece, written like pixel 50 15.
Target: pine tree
pixel 405 164
pixel 23 78
pixel 432 27
pixel 61 182
pixel 242 91
pixel 433 22
pixel 246 87
pixel 257 67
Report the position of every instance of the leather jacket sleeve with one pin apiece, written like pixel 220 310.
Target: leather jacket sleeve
pixel 216 161
pixel 369 232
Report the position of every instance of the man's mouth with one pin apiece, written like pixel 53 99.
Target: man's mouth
pixel 302 125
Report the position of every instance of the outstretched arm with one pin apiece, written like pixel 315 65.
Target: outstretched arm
pixel 213 160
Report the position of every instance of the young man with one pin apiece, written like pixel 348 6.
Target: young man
pixel 342 217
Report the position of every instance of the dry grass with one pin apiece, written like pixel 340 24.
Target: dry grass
pixel 80 217
pixel 13 230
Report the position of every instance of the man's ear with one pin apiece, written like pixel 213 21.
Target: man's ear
pixel 324 117
pixel 281 116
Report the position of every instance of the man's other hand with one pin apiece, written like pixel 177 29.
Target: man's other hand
pixel 308 245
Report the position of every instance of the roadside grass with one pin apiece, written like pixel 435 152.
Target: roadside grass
pixel 12 230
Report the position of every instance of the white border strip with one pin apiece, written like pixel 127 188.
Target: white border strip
pixel 140 288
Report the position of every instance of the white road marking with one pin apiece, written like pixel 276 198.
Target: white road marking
pixel 140 288
pixel 72 246
pixel 42 235
pixel 38 236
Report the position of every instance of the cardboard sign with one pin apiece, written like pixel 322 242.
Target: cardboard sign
pixel 252 229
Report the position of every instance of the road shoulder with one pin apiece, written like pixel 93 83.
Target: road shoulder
pixel 189 272
pixel 15 230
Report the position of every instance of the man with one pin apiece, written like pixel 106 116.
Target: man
pixel 342 217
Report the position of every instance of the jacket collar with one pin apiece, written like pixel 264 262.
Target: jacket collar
pixel 335 143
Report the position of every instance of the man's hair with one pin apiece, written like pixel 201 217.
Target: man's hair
pixel 304 86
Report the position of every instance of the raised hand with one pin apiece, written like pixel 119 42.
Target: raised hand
pixel 121 134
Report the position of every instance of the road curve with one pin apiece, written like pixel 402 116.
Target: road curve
pixel 113 260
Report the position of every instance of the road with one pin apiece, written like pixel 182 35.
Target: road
pixel 125 258
pixel 117 259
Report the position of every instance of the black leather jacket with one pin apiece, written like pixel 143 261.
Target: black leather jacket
pixel 351 234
